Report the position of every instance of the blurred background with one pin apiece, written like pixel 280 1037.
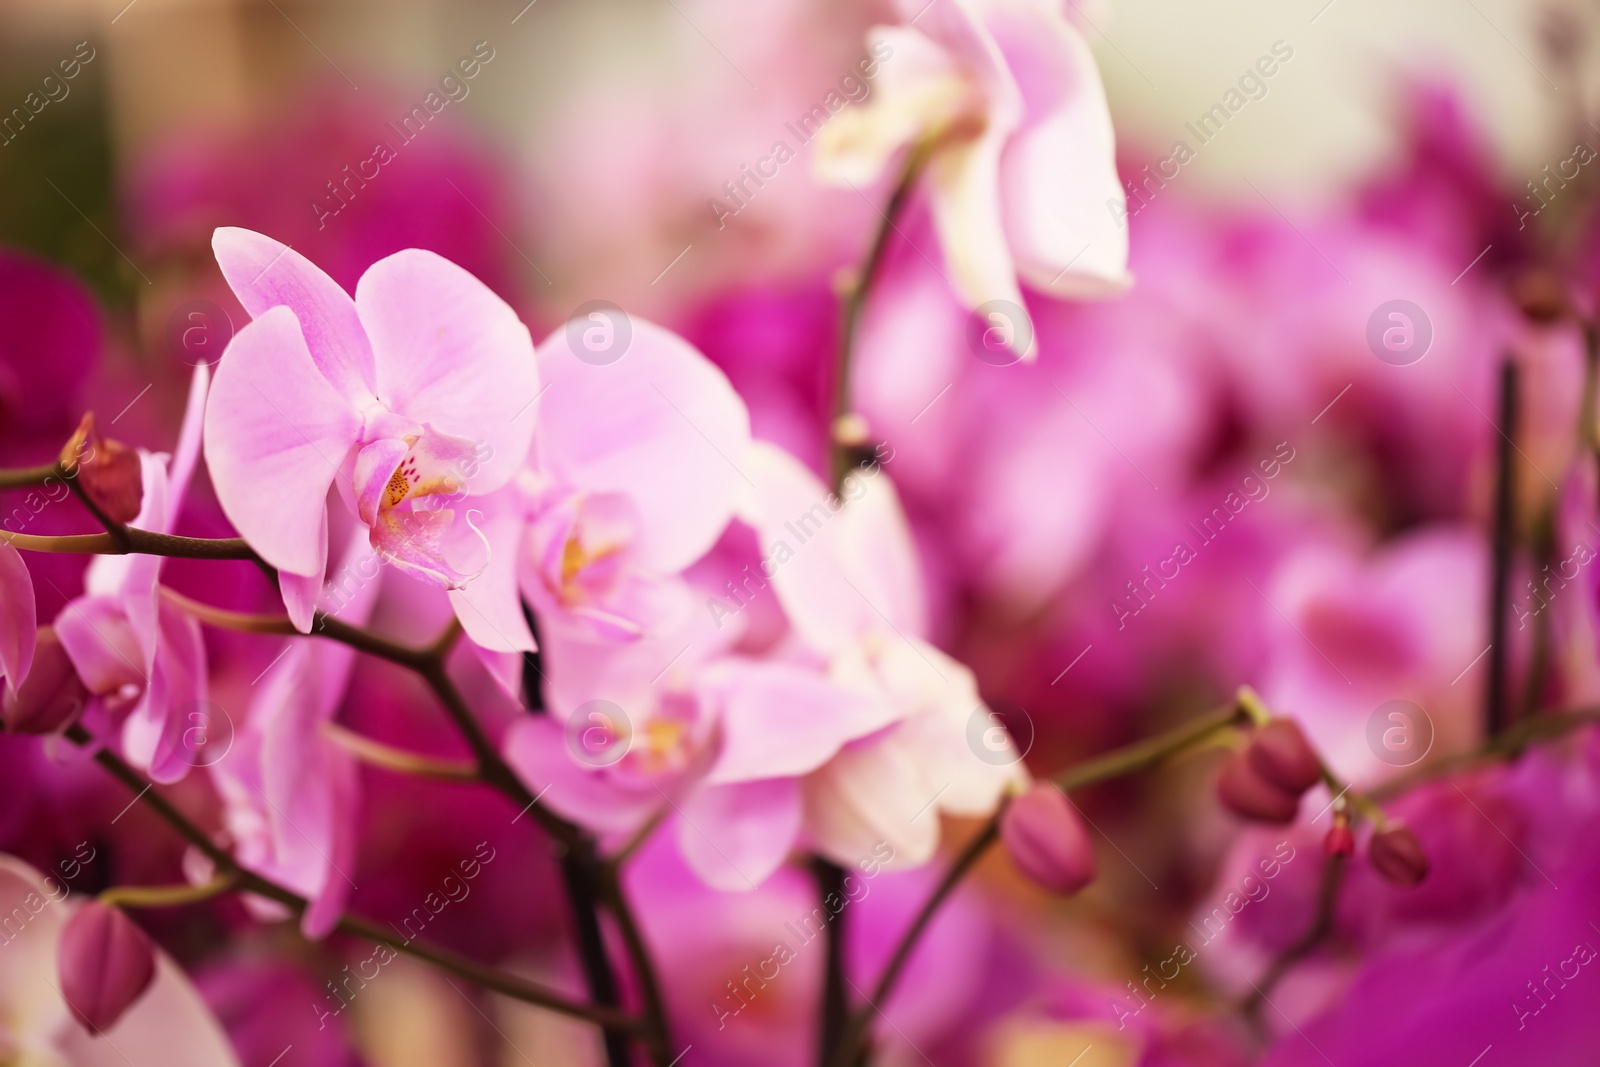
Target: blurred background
pixel 573 150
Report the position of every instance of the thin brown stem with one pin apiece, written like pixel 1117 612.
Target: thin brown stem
pixel 248 881
pixel 841 448
pixel 1321 926
pixel 1123 761
pixel 142 542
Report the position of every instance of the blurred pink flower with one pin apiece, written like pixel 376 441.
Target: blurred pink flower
pixel 169 1024
pixel 290 793
pixel 18 621
pixel 1022 179
pixel 136 652
pixel 845 570
pixel 412 398
pixel 633 475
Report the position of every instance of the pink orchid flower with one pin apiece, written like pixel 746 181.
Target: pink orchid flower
pixel 19 621
pixel 718 741
pixel 140 656
pixel 1021 175
pixel 413 399
pixel 845 571
pixel 169 1024
pixel 632 478
pixel 290 793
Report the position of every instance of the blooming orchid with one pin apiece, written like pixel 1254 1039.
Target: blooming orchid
pixel 845 571
pixel 720 740
pixel 413 399
pixel 141 656
pixel 631 479
pixel 1022 181
pixel 169 1024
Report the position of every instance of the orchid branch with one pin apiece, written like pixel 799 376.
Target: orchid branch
pixel 248 881
pixel 1116 764
pixel 142 542
pixel 390 758
pixel 487 766
pixel 27 477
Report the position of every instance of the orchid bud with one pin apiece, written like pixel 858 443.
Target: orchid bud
pixel 52 697
pixel 106 963
pixel 1247 793
pixel 1340 841
pixel 109 471
pixel 1280 753
pixel 1397 855
pixel 1047 841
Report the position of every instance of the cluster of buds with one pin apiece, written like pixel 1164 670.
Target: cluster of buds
pixel 1265 780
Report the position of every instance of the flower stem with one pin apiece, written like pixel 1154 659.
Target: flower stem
pixel 841 444
pixel 250 882
pixel 1496 707
pixel 168 896
pixel 27 477
pixel 399 760
pixel 1123 761
pixel 143 542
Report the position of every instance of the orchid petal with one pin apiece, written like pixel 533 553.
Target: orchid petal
pixel 1060 192
pixel 452 354
pixel 265 274
pixel 276 433
pixel 489 605
pixel 661 425
pixel 536 748
pixel 19 623
pixel 736 836
pixel 187 450
pixel 780 720
pixel 101 643
pixel 872 792
pixel 841 567
pixel 154 735
pixel 964 185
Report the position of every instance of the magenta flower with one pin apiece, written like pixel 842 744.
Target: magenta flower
pixel 412 399
pixel 140 656
pixel 1021 177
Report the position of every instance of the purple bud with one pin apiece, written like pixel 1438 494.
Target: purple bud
pixel 1047 841
pixel 106 962
pixel 1280 753
pixel 53 695
pixel 109 471
pixel 1397 855
pixel 1247 794
pixel 1340 841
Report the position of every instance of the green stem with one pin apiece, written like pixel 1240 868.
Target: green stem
pixel 1124 761
pixel 27 477
pixel 168 896
pixel 840 445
